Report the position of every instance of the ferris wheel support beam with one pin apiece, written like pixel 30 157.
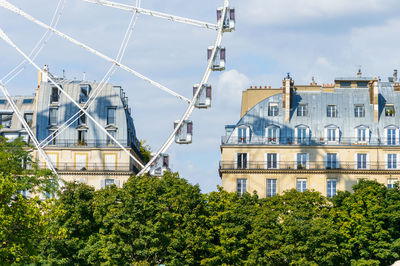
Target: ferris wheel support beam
pixel 191 106
pixel 49 164
pixel 155 14
pixel 18 11
pixel 4 36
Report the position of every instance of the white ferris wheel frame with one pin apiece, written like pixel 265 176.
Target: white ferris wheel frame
pixel 116 63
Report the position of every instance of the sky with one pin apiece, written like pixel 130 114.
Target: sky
pixel 323 39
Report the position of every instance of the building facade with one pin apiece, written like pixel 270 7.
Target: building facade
pixel 316 137
pixel 81 151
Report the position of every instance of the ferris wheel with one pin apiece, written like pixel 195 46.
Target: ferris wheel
pixel 183 127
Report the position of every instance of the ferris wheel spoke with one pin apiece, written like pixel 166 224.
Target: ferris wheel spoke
pixel 18 11
pixel 4 36
pixel 191 107
pixel 155 14
pixel 20 117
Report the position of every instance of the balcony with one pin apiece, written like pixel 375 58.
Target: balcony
pixel 308 141
pixel 91 167
pixel 294 165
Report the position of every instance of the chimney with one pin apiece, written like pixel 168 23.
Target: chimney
pixel 395 75
pixel 288 85
pixel 359 73
pixel 374 98
pixel 43 77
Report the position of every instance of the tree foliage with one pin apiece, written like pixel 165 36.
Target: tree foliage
pixel 166 220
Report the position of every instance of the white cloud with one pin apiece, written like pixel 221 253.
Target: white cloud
pixel 230 86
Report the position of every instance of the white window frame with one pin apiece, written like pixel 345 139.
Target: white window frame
pixel 307 160
pixel 243 165
pixel 363 138
pixel 273 134
pixel 331 111
pixel 391 161
pixel 271 187
pixel 367 163
pixel 273 109
pixel 302 112
pixel 271 165
pixel 391 182
pixel 241 186
pixel 301 139
pixel 301 184
pixel 330 189
pixel 243 138
pixel 359 110
pixel 393 138
pixel 332 164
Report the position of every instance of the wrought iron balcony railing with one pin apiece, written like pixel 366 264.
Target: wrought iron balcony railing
pixel 103 167
pixel 315 165
pixel 310 141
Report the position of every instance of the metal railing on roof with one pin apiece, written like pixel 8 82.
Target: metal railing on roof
pixel 310 165
pixel 103 167
pixel 351 141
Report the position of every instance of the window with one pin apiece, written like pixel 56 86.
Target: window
pixel 273 109
pixel 362 84
pixel 391 183
pixel 2 101
pixel 241 160
pixel 359 111
pixel 241 186
pixel 108 182
pixel 302 161
pixel 53 116
pixel 389 110
pixel 54 95
pixel 110 142
pixel 81 161
pixel 345 84
pixel 84 93
pixel 81 119
pixel 272 161
pixel 27 101
pixel 331 111
pixel 271 187
pixel 391 136
pixel 111 115
pixel 29 119
pixel 331 188
pixel 361 161
pixel 302 110
pixel 272 135
pixel 301 184
pixel 331 161
pixel 391 161
pixel 301 135
pixel 5 119
pixel 361 135
pixel 242 135
pixel 82 137
pixel 53 140
pixel 331 134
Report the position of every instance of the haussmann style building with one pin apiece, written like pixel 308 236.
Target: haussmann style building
pixel 316 137
pixel 81 151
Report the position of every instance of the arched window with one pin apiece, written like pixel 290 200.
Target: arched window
pixel 332 134
pixel 362 134
pixel 391 135
pixel 243 134
pixel 302 134
pixel 272 134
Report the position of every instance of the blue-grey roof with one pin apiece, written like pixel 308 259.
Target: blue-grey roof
pixel 317 101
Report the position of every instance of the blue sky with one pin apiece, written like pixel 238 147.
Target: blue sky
pixel 320 38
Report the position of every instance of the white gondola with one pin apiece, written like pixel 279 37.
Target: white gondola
pixel 184 134
pixel 229 20
pixel 219 58
pixel 160 165
pixel 204 98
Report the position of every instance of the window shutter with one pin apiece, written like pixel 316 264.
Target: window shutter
pixel 296 132
pixel 386 136
pixel 367 134
pixel 337 160
pixel 295 160
pixel 355 135
pixel 103 183
pixel 265 160
pixel 236 161
pixel 248 161
pixel 308 161
pixel 326 135
pixel 337 135
pixel 368 162
pixel 326 160
pixel 278 135
pixel 116 182
pixel 355 161
pixel 307 134
pixel 278 161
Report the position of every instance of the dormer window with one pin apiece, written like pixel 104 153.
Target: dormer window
pixel 272 134
pixel 391 135
pixel 5 119
pixel 111 115
pixel 273 109
pixel 54 97
pixel 389 110
pixel 362 84
pixel 82 119
pixel 302 110
pixel 345 84
pixel 359 110
pixel 302 134
pixel 332 134
pixel 84 93
pixel 331 111
pixel 53 116
pixel 362 134
pixel 243 134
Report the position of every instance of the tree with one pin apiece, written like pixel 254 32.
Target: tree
pixel 21 219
